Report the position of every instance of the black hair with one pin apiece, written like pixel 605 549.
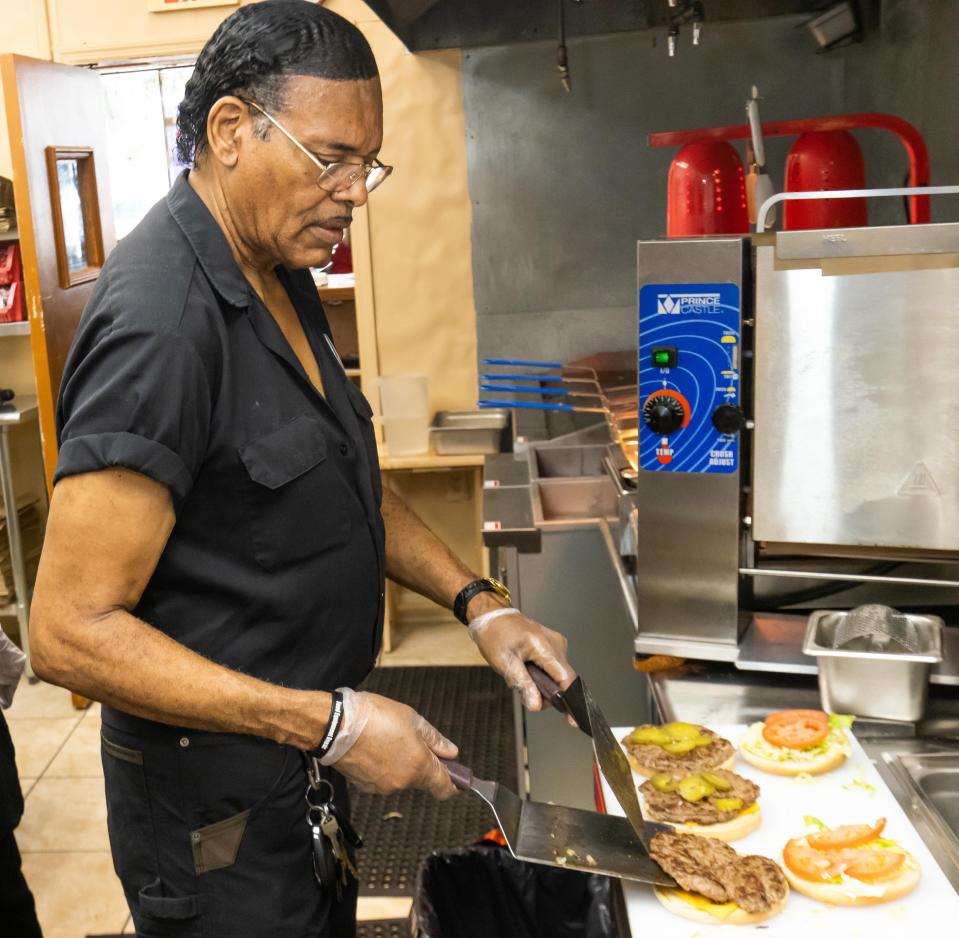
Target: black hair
pixel 255 50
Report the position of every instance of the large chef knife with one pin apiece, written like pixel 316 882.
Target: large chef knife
pixel 577 702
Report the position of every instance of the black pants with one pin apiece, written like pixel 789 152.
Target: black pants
pixel 18 915
pixel 209 836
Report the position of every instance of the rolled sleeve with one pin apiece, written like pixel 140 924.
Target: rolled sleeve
pixel 137 400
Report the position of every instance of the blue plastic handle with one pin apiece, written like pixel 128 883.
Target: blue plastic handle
pixel 522 363
pixel 528 405
pixel 509 377
pixel 521 389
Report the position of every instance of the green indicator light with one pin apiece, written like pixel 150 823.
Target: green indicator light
pixel 662 358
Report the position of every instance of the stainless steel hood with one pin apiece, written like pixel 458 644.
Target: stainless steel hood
pixel 445 24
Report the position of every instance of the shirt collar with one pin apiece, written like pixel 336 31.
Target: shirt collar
pixel 208 242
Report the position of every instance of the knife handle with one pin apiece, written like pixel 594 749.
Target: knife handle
pixel 551 691
pixel 460 775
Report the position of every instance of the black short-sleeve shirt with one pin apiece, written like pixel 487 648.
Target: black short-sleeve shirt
pixel 275 566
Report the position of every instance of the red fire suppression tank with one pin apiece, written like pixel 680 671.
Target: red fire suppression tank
pixel 823 160
pixel 707 191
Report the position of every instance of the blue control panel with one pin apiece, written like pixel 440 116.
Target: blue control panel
pixel 689 377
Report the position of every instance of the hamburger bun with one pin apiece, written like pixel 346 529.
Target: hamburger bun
pixel 854 892
pixel 778 760
pixel 697 908
pixel 727 831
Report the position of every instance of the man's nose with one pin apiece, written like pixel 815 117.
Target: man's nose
pixel 353 195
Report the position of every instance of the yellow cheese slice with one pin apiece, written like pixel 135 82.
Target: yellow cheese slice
pixel 718 910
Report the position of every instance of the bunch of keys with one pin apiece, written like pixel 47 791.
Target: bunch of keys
pixel 332 834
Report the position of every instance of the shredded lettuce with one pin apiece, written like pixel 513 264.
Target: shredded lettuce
pixel 841 721
pixel 861 784
pixel 811 821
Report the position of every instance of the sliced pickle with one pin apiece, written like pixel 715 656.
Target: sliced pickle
pixel 680 730
pixel 719 782
pixel 645 735
pixel 664 782
pixel 677 747
pixel 728 804
pixel 695 788
pixel 703 740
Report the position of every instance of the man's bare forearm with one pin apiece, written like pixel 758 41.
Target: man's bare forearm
pixel 417 559
pixel 126 663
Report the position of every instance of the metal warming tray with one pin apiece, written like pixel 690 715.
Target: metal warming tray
pixel 888 685
pixel 456 432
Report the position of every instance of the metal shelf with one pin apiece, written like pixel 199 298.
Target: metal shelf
pixel 12 235
pixel 14 328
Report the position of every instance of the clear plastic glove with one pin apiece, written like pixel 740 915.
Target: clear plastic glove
pixel 384 746
pixel 507 640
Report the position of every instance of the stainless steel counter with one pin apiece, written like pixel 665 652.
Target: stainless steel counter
pixel 919 762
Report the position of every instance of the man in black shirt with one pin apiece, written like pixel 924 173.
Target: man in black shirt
pixel 218 536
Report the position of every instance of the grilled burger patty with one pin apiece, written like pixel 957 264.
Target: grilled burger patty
pixel 655 758
pixel 672 806
pixel 713 869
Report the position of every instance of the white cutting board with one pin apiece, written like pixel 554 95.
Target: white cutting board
pixel 929 911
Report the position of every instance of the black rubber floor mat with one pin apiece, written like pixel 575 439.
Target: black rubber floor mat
pixel 474 708
pixel 396 928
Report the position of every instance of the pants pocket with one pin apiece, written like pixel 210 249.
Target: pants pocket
pixel 129 821
pixel 215 846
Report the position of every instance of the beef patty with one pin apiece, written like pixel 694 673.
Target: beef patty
pixel 654 758
pixel 672 806
pixel 713 869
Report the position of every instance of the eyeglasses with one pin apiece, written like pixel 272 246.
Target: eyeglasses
pixel 334 177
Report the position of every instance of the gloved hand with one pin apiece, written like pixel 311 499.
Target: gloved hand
pixel 385 746
pixel 507 640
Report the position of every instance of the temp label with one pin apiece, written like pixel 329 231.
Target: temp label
pixel 701 321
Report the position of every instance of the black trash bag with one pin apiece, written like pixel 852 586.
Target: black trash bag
pixel 484 892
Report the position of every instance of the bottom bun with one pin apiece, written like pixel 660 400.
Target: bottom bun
pixel 855 893
pixel 672 899
pixel 734 829
pixel 649 773
pixel 824 763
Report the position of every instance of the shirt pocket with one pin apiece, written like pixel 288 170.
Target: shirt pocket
pixel 295 500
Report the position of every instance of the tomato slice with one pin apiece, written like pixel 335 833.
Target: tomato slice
pixel 796 729
pixel 869 865
pixel 809 863
pixel 787 716
pixel 849 835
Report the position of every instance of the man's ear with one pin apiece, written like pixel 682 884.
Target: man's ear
pixel 228 124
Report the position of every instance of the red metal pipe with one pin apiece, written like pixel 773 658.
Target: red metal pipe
pixel 910 138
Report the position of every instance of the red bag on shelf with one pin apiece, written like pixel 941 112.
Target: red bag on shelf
pixel 10 270
pixel 11 302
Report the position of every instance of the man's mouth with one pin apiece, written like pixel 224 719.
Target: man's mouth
pixel 330 230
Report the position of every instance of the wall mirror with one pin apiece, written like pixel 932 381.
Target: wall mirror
pixel 75 214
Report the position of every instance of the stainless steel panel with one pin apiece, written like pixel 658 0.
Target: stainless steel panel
pixel 687 552
pixel 469 431
pixel 566 461
pixel 856 407
pixel 571 586
pixel 573 501
pixel 868 242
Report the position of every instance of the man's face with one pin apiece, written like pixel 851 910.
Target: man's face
pixel 273 191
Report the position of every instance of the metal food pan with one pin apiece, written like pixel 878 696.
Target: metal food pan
pixel 881 684
pixel 456 432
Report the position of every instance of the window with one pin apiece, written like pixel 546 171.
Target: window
pixel 141 115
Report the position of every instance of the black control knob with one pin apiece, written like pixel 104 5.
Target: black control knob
pixel 728 419
pixel 663 414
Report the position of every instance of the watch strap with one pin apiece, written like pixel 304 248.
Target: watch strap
pixel 484 585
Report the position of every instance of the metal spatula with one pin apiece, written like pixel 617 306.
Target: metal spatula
pixel 577 702
pixel 556 835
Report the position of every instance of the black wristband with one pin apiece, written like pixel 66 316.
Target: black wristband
pixel 333 726
pixel 487 584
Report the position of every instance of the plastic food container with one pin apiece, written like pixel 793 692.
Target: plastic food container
pixel 885 685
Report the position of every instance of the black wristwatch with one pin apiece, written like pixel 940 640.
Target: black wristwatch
pixel 487 584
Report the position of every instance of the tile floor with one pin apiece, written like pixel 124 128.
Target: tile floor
pixel 63 834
